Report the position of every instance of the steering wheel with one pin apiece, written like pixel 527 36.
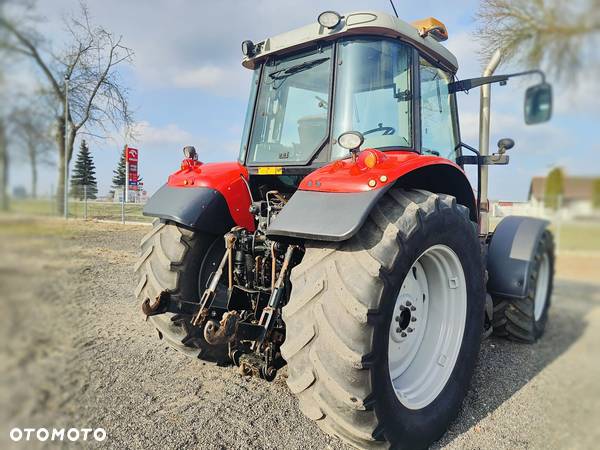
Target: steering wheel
pixel 387 131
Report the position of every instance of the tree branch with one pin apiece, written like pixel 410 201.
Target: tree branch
pixel 34 54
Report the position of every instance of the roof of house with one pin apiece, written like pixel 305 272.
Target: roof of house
pixel 370 22
pixel 575 188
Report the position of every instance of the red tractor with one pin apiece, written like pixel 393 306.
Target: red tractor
pixel 347 241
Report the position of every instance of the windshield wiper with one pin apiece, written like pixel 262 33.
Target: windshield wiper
pixel 284 73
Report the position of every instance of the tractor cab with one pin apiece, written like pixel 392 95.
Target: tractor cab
pixel 364 72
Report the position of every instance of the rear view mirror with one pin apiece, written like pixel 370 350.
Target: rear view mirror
pixel 538 103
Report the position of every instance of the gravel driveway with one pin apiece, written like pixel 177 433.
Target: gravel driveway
pixel 76 352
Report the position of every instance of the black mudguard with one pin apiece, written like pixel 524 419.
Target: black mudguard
pixel 200 208
pixel 324 216
pixel 510 254
pixel 333 216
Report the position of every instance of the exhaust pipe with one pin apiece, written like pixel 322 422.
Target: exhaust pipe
pixel 484 139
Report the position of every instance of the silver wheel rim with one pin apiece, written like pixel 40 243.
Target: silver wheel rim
pixel 427 327
pixel 541 287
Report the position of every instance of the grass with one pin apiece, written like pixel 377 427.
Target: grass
pixel 578 236
pixel 573 236
pixel 95 210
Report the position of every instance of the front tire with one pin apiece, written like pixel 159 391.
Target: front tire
pixel 341 317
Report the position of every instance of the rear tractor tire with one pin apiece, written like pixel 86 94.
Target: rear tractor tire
pixel 524 320
pixel 383 330
pixel 174 259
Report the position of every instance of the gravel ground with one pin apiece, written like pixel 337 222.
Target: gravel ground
pixel 76 352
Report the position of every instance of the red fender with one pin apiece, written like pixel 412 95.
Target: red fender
pixel 227 178
pixel 346 175
pixel 334 201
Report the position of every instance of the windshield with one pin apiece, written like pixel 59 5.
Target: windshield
pixel 290 122
pixel 372 95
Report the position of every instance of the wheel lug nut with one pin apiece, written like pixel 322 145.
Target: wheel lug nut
pixel 403 334
pixel 412 308
pixel 398 330
pixel 397 318
pixel 413 319
pixel 409 329
pixel 408 303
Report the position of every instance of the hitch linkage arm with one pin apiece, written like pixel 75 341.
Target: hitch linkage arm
pixel 209 292
pixel 278 288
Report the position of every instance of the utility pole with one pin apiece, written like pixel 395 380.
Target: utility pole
pixel 66 156
pixel 484 141
pixel 126 173
pixel 85 200
pixel 124 187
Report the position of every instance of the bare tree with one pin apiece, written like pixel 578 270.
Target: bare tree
pixel 4 161
pixel 558 35
pixel 97 97
pixel 4 201
pixel 30 132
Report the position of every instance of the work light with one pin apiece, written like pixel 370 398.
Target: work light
pixel 190 152
pixel 248 48
pixel 329 19
pixel 351 140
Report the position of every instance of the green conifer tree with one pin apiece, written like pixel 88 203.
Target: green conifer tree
pixel 84 174
pixel 118 180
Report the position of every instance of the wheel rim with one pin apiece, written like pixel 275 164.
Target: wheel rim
pixel 427 327
pixel 541 288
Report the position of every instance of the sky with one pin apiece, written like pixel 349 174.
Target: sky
pixel 187 86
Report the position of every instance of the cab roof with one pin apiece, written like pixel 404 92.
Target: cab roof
pixel 355 23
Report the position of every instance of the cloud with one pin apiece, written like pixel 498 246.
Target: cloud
pixel 466 49
pixel 193 44
pixel 227 80
pixel 150 137
pixel 202 77
pixel 167 135
pixel 578 98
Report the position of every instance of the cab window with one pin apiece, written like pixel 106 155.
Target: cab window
pixel 291 118
pixel 438 127
pixel 373 93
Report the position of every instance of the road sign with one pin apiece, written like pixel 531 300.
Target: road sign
pixel 132 155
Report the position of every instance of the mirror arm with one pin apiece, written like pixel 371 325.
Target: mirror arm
pixel 470 83
pixel 462 160
pixel 500 158
pixel 529 72
pixel 479 161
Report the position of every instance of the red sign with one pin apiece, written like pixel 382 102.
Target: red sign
pixel 131 155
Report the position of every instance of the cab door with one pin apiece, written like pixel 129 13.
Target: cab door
pixel 439 126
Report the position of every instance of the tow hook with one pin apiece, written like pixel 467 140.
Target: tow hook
pixel 219 333
pixel 158 306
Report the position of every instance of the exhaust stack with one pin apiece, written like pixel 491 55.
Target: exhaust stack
pixel 484 139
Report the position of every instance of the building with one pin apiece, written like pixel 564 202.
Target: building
pixel 576 201
pixel 577 194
